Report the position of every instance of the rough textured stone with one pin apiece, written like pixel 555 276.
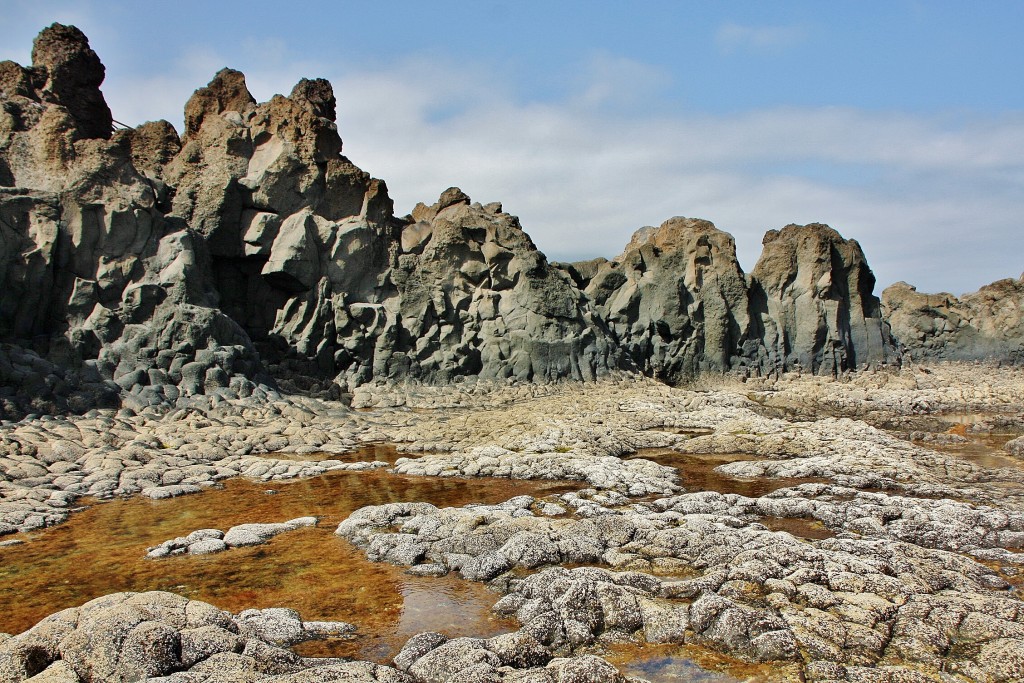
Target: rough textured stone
pixel 812 295
pixel 126 637
pixel 149 269
pixel 676 299
pixel 987 324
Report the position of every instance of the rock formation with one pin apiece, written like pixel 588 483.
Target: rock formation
pixel 812 296
pixel 147 268
pixel 676 299
pixel 680 304
pixel 987 324
pixel 101 291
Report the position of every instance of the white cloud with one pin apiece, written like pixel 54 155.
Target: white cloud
pixel 732 37
pixel 933 200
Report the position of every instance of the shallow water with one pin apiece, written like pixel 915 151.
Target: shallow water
pixel 985 450
pixel 690 432
pixel 383 452
pixel 102 550
pixel 697 473
pixel 679 664
pixel 801 527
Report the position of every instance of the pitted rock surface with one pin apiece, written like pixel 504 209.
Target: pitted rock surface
pixel 160 636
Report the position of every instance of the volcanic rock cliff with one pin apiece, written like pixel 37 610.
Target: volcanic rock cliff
pixel 679 303
pixel 140 267
pixel 987 324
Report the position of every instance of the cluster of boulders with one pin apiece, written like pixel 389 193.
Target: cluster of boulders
pixel 159 636
pixel 843 604
pixel 47 464
pixel 210 541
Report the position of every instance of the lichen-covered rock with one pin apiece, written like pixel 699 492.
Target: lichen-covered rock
pixel 125 637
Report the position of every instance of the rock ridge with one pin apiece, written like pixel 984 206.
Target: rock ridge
pixel 141 267
pixel 983 325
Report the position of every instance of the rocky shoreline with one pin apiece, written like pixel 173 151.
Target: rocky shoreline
pixel 916 582
pixel 751 467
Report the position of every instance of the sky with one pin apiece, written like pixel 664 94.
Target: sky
pixel 899 123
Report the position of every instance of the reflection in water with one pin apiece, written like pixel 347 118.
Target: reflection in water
pixel 101 550
pixel 697 472
pixel 384 452
pixel 679 664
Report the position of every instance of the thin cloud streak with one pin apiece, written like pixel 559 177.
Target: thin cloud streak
pixel 732 37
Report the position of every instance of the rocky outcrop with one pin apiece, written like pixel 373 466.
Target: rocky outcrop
pixel 676 299
pixel 812 297
pixel 476 297
pixel 987 324
pixel 680 304
pixel 248 251
pixel 96 280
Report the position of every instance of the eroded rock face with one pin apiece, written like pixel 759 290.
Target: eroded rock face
pixel 73 75
pixel 109 293
pixel 249 250
pixel 987 324
pixel 676 299
pixel 681 305
pixel 476 297
pixel 812 298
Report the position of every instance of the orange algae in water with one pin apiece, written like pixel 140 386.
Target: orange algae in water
pixel 102 550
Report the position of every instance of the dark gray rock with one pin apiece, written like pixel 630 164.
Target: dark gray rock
pixel 151 269
pixel 983 325
pixel 812 297
pixel 676 299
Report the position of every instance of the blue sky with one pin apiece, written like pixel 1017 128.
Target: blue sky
pixel 899 123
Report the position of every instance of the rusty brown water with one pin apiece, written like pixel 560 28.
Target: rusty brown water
pixel 984 449
pixel 697 472
pixel 383 452
pixel 801 527
pixel 102 550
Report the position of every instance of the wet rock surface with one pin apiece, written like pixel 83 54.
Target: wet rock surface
pixel 917 574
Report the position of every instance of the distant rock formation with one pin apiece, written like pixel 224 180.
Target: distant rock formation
pixel 812 298
pixel 985 325
pixel 679 302
pixel 142 268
